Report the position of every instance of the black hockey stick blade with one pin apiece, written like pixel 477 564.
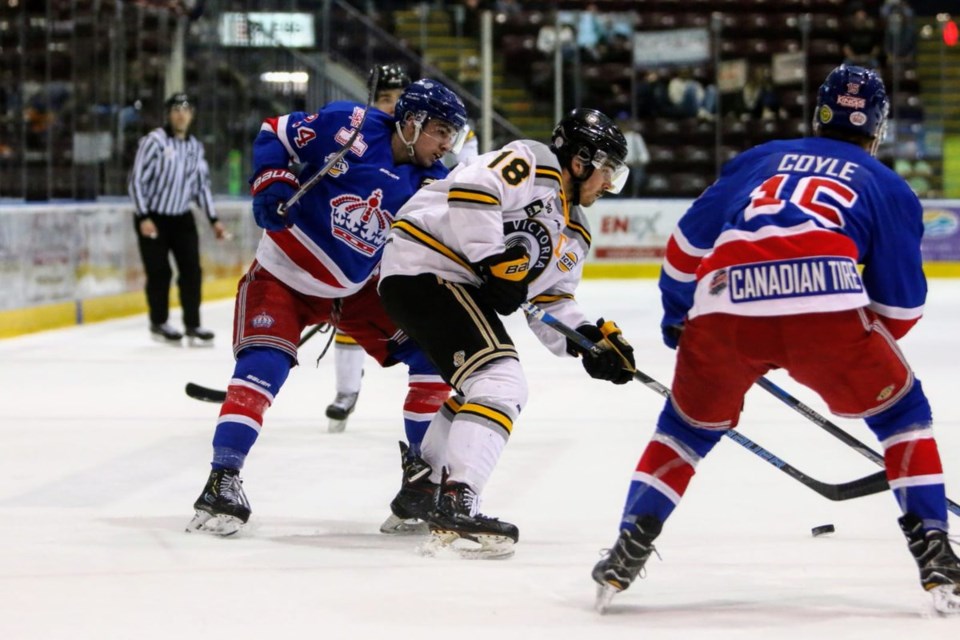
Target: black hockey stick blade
pixel 854 489
pixel 816 418
pixel 206 394
pixel 866 486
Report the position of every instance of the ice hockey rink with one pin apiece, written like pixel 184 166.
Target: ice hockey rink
pixel 102 455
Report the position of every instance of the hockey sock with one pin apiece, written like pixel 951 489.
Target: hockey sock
pixel 348 359
pixel 434 445
pixel 248 396
pixel 666 467
pixel 425 395
pixel 478 435
pixel 912 458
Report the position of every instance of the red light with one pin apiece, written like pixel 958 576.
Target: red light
pixel 950 33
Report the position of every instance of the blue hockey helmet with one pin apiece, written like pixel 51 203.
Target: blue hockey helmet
pixel 852 100
pixel 427 99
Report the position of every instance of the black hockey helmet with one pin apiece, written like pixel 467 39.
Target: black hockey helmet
pixel 389 76
pixel 180 99
pixel 595 139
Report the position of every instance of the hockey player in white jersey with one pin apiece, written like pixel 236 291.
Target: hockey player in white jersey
pixel 502 230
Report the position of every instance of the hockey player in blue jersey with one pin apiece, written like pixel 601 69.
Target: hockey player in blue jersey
pixel 318 263
pixel 762 273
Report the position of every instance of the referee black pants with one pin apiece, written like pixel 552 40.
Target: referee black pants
pixel 176 234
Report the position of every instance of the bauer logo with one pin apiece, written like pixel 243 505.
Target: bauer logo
pixel 262 320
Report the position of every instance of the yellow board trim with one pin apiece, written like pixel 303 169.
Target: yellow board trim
pixel 652 270
pixel 18 322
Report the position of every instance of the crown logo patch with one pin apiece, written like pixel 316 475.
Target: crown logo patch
pixel 360 222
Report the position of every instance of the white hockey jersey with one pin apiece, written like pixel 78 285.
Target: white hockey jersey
pixel 506 197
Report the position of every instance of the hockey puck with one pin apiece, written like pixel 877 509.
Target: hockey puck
pixel 822 530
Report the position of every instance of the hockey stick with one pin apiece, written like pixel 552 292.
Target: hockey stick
pixel 206 394
pixel 860 487
pixel 336 157
pixel 834 430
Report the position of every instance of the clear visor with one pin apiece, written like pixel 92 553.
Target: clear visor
pixel 614 171
pixel 442 131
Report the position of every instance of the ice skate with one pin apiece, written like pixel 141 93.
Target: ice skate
pixel 938 564
pixel 415 499
pixel 199 337
pixel 456 525
pixel 622 564
pixel 222 508
pixel 165 333
pixel 339 410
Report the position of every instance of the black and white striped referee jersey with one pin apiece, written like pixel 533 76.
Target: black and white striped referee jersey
pixel 168 174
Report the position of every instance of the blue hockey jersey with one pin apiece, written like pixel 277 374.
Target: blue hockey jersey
pixel 335 245
pixel 783 230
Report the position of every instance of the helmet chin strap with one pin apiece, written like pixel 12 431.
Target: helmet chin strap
pixel 409 143
pixel 587 172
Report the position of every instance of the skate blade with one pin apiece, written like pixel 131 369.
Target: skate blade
pixel 162 340
pixel 946 599
pixel 197 343
pixel 404 527
pixel 605 593
pixel 222 525
pixel 474 547
pixel 336 426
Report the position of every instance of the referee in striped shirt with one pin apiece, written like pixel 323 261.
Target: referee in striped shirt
pixel 169 172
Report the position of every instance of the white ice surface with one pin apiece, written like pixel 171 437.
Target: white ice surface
pixel 102 456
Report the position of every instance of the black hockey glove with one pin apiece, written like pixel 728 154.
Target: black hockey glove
pixel 505 279
pixel 671 334
pixel 270 189
pixel 616 362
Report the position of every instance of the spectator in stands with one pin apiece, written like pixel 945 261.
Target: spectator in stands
pixel 651 93
pixel 547 38
pixel 637 158
pixel 471 16
pixel 590 33
pixel 899 39
pixel 758 98
pixel 862 47
pixel 689 98
pixel 619 49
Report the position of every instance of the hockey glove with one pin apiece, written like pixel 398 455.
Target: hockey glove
pixel 616 362
pixel 671 334
pixel 270 189
pixel 505 279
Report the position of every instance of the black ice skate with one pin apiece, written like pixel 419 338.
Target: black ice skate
pixel 165 333
pixel 339 410
pixel 939 565
pixel 456 524
pixel 199 337
pixel 623 563
pixel 416 497
pixel 222 508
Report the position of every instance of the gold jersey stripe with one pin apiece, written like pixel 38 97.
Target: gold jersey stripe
pixel 466 195
pixel 428 240
pixel 545 298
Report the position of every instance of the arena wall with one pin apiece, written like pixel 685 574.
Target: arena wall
pixel 70 263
